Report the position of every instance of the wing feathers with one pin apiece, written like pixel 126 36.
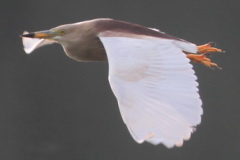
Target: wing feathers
pixel 155 87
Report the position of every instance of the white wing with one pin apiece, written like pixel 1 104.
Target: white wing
pixel 155 87
pixel 30 44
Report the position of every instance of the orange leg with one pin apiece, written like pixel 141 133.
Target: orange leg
pixel 204 50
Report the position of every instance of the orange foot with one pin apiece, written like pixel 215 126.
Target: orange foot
pixel 201 58
pixel 207 48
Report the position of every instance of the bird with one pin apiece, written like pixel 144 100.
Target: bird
pixel 150 73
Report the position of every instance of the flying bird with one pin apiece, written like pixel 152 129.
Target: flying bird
pixel 149 72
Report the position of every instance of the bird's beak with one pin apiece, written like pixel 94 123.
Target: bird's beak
pixel 41 34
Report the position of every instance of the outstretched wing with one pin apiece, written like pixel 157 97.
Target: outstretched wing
pixel 155 87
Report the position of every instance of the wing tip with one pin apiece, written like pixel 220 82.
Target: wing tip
pixel 167 142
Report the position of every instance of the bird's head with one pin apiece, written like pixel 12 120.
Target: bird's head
pixel 34 40
pixel 66 35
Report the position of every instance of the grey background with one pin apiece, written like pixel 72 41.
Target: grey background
pixel 53 108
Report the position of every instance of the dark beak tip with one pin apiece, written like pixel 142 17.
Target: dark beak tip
pixel 30 35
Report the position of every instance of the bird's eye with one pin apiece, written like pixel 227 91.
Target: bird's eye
pixel 62 32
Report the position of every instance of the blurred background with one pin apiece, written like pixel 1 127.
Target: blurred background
pixel 54 108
